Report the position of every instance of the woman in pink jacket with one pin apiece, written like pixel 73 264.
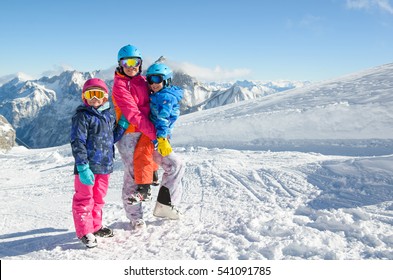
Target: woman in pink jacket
pixel 130 96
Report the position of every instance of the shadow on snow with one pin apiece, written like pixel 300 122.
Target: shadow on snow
pixel 23 243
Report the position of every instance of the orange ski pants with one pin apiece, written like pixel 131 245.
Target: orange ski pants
pixel 144 165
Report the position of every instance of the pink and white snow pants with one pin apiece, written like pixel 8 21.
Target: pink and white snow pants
pixel 87 204
pixel 173 173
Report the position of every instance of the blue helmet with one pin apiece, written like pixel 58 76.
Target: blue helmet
pixel 160 69
pixel 129 51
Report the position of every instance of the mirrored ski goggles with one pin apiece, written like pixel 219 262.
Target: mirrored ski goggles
pixel 155 79
pixel 130 62
pixel 94 93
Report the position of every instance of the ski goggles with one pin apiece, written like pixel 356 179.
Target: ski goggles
pixel 130 62
pixel 94 93
pixel 155 79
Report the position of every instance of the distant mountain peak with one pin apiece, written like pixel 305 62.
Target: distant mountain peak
pixel 161 59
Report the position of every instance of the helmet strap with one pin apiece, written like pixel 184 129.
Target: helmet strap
pixel 167 82
pixel 140 68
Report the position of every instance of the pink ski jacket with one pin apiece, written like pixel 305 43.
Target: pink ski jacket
pixel 131 98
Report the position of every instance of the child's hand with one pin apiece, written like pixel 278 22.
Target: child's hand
pixel 164 147
pixel 86 176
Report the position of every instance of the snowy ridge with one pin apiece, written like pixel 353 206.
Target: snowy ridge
pixel 348 115
pixel 19 76
pixel 240 91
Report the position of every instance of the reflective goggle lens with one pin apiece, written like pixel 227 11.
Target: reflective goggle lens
pixel 155 79
pixel 130 62
pixel 99 94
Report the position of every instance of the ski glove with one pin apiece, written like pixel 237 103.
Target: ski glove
pixel 123 122
pixel 164 147
pixel 86 176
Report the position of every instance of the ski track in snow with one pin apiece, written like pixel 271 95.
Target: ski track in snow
pixel 237 205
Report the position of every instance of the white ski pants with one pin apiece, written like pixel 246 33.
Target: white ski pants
pixel 172 178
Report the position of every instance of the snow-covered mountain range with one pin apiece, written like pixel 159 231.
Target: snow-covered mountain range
pixel 40 110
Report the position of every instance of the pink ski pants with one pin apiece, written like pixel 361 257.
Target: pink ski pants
pixel 87 204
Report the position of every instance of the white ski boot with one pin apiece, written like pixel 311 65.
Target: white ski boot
pixel 166 211
pixel 164 207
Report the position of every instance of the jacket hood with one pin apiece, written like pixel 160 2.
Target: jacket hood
pixel 175 91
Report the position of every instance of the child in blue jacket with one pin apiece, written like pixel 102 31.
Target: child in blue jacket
pixel 93 134
pixel 164 111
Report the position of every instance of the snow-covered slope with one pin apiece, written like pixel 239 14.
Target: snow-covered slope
pixel 248 205
pixel 349 115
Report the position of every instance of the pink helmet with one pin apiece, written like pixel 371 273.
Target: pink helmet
pixel 95 83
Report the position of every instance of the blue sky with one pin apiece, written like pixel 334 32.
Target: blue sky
pixel 214 40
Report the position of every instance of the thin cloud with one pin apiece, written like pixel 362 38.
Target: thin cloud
pixel 368 4
pixel 312 23
pixel 309 20
pixel 211 74
pixel 57 70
